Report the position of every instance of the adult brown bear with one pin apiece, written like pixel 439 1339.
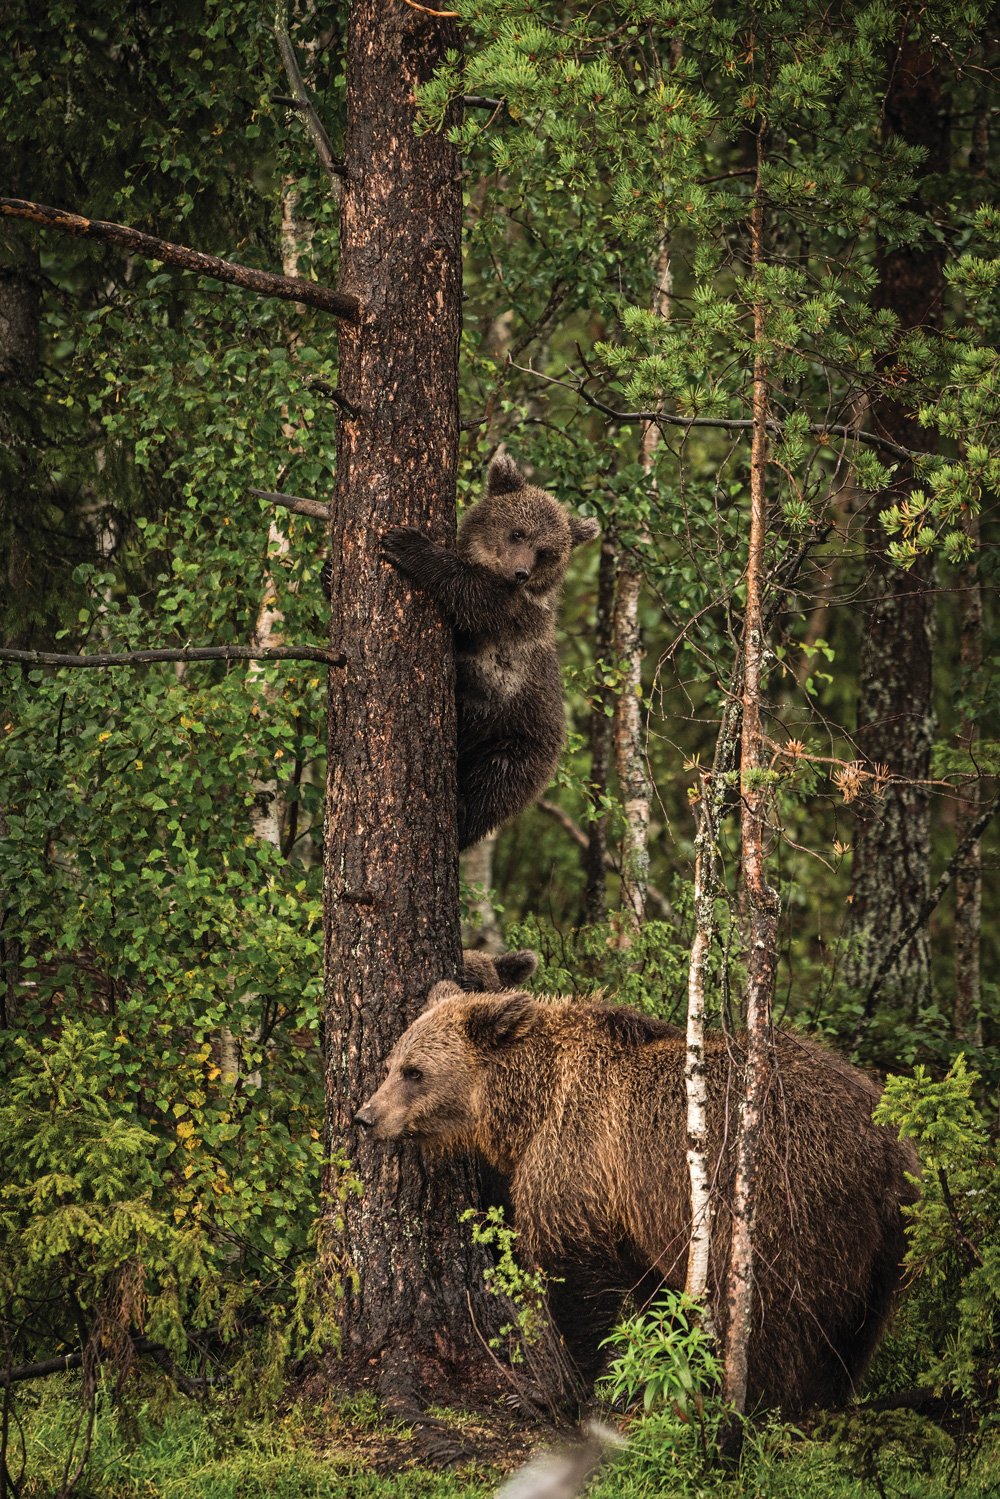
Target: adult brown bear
pixel 581 1108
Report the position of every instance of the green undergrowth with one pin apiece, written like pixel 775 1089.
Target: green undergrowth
pixel 172 1448
pixel 165 1447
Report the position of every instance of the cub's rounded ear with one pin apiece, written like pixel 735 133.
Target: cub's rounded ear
pixel 443 989
pixel 494 1023
pixel 479 975
pixel 582 528
pixel 515 968
pixel 504 476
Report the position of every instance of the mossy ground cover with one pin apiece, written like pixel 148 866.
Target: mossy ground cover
pixel 163 1447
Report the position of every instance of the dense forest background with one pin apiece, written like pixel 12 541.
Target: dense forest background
pixel 677 220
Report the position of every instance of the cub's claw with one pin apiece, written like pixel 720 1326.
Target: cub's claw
pixel 402 545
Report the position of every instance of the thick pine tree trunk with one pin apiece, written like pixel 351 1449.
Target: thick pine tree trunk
pixel 890 871
pixel 391 859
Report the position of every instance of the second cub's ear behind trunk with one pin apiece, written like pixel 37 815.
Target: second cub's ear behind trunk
pixel 514 968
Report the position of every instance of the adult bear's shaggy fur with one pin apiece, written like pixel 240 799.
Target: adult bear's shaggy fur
pixel 581 1108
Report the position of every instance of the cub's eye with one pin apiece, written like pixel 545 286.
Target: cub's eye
pixel 517 536
pixel 544 556
pixel 413 1075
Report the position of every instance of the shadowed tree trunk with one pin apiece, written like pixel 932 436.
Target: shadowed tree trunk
pixel 19 352
pixel 890 871
pixel 18 371
pixel 595 859
pixel 967 1023
pixel 391 858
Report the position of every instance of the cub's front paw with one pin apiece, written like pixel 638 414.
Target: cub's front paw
pixel 404 546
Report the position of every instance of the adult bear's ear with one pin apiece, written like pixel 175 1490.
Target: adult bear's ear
pixel 582 528
pixel 444 989
pixel 494 1023
pixel 513 968
pixel 504 476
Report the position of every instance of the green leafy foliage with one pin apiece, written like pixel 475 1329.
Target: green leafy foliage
pixel 664 1355
pixel 523 1289
pixel 953 1237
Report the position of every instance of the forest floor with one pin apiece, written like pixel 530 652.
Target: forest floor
pixel 157 1445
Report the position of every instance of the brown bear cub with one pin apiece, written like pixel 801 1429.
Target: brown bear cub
pixel 488 973
pixel 581 1110
pixel 499 589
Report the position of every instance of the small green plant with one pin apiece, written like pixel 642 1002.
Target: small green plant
pixel 667 1358
pixel 524 1290
pixel 666 1355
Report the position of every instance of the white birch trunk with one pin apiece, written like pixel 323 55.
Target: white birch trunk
pixel 630 751
pixel 477 870
pixel 268 810
pixel 695 1080
pixel 761 900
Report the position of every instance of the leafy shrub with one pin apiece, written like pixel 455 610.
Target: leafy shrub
pixel 953 1253
pixel 666 1357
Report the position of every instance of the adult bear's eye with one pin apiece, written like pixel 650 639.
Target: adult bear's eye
pixel 413 1075
pixel 517 536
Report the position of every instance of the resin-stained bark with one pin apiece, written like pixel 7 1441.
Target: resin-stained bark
pixel 391 870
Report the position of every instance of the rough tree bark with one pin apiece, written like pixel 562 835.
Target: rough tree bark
pixel 761 899
pixel 391 858
pixel 891 862
pixel 19 349
pixel 967 1022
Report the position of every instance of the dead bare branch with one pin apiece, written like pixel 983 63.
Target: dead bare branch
pixel 333 168
pixel 181 653
pixel 265 283
pixel 552 809
pixel 297 502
